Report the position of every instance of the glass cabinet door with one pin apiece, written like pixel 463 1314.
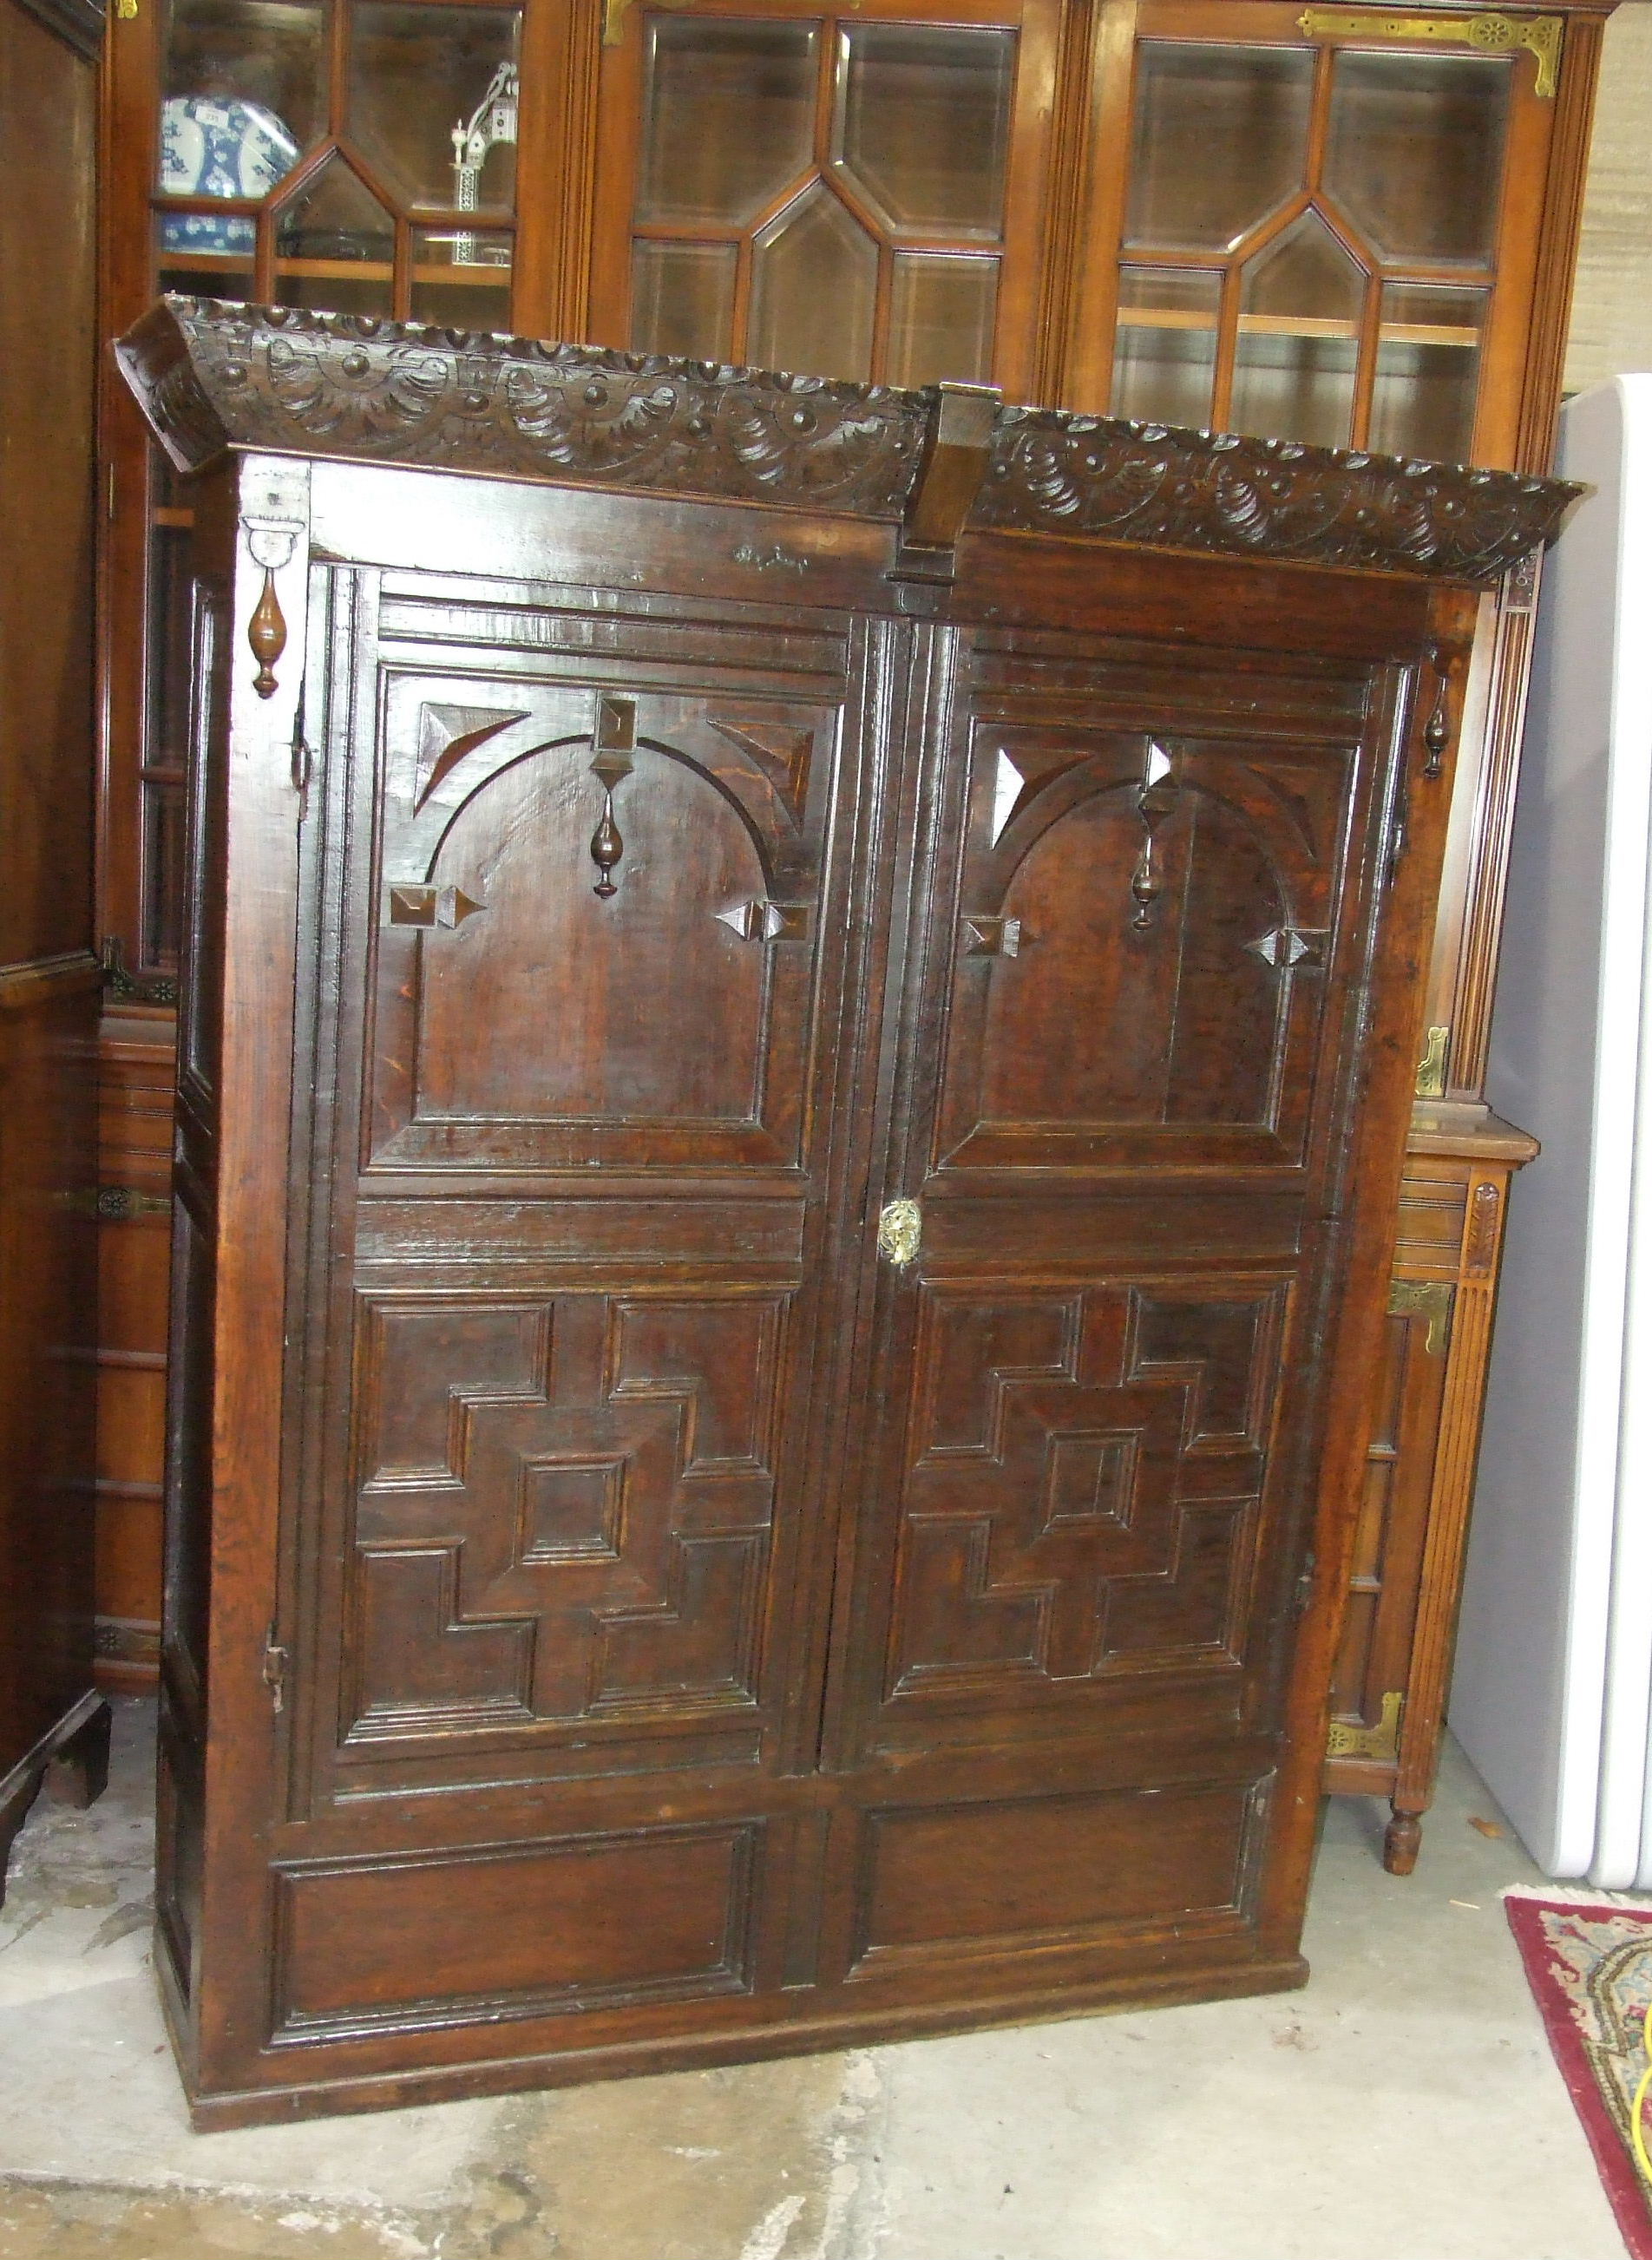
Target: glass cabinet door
pixel 1314 225
pixel 847 196
pixel 357 157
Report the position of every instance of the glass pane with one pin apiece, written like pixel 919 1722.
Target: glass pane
pixel 163 882
pixel 1415 155
pixel 1164 351
pixel 814 288
pixel 243 93
pixel 170 645
pixel 924 123
pixel 1427 372
pixel 461 281
pixel 728 113
pixel 1304 273
pixel 683 299
pixel 1220 140
pixel 941 320
pixel 324 239
pixel 1295 388
pixel 1299 338
pixel 432 98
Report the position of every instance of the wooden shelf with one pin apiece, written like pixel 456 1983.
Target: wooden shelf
pixel 1295 326
pixel 476 276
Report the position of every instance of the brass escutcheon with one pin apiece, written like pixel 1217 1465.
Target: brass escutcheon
pixel 900 1228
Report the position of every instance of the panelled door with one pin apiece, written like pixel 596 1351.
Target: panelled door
pixel 1112 1185
pixel 652 1257
pixel 574 1044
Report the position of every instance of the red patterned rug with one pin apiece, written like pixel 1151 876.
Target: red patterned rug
pixel 1588 1964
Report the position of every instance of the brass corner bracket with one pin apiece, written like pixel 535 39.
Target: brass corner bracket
pixel 126 988
pixel 1430 1068
pixel 1425 1298
pixel 1489 34
pixel 1381 1741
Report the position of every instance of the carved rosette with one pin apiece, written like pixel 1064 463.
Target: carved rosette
pixel 211 375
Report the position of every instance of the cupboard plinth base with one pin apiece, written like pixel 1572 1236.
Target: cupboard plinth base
pixel 215 2114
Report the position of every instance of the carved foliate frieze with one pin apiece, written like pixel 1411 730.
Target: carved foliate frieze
pixel 211 375
pixel 1099 477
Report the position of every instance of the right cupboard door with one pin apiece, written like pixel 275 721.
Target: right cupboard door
pixel 1119 1116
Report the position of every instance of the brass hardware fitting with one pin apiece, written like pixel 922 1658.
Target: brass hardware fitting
pixel 1430 1068
pixel 1381 1740
pixel 1494 34
pixel 1425 1298
pixel 900 1231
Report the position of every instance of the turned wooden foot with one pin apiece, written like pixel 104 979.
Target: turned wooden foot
pixel 1401 1840
pixel 79 1774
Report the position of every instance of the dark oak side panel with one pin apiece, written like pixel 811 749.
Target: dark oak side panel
pixel 49 1711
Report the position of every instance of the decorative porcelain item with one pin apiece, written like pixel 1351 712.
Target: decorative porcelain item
pixel 493 120
pixel 211 147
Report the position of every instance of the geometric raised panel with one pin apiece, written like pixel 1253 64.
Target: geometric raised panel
pixel 1109 1020
pixel 484 880
pixel 594 981
pixel 1131 921
pixel 1083 1499
pixel 447 733
pixel 780 743
pixel 562 1509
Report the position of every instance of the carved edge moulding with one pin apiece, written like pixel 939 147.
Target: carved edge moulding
pixel 212 377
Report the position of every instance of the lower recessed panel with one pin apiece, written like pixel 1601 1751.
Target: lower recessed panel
pixel 521 1931
pixel 1028 1872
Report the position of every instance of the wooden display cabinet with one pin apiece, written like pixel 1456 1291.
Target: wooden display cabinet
pixel 1338 225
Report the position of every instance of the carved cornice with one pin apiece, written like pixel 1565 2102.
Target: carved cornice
pixel 1274 498
pixel 211 376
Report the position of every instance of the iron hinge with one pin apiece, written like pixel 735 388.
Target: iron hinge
pixel 276 1660
pixel 1305 1585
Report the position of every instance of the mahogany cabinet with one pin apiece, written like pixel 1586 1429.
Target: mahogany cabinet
pixel 54 1724
pixel 797 1033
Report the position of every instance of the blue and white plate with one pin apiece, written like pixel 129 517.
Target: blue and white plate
pixel 211 146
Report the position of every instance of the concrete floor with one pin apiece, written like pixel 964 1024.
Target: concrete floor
pixel 1404 2106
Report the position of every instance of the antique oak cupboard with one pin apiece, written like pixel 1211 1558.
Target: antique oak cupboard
pixel 798 1028
pixel 1334 225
